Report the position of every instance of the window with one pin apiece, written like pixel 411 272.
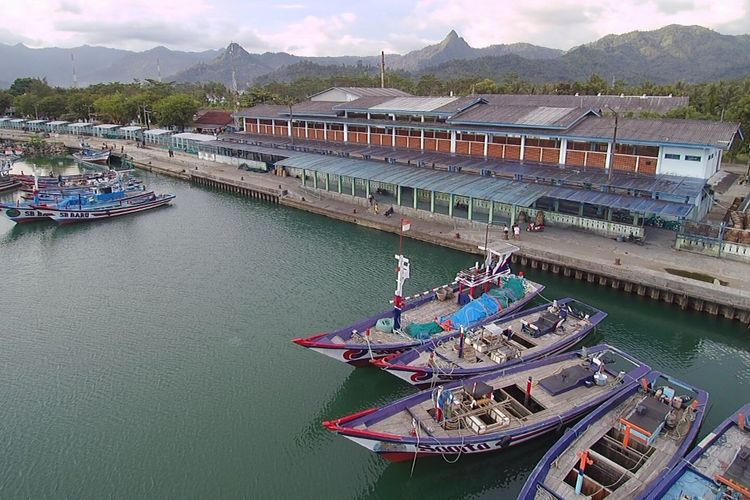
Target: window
pixel 692 158
pixel 671 156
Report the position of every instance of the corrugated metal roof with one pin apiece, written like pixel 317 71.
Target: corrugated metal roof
pixel 194 137
pixel 658 104
pixel 662 131
pixel 367 91
pixel 414 104
pixel 58 122
pixel 157 131
pixel 520 116
pixel 131 128
pixel 361 104
pixel 106 126
pixel 34 122
pixel 522 194
pixel 80 125
pixel 315 108
pixel 486 188
pixel 621 202
pixel 262 111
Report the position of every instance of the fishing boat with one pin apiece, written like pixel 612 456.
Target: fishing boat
pixel 496 410
pixel 541 331
pixel 477 295
pixel 624 447
pixel 92 156
pixel 7 181
pixel 717 468
pixel 109 210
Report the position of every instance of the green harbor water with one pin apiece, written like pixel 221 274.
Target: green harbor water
pixel 150 356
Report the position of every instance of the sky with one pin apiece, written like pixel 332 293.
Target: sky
pixel 354 27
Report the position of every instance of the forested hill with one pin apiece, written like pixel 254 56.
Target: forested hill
pixel 670 54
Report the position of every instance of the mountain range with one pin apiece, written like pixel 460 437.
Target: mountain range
pixel 669 54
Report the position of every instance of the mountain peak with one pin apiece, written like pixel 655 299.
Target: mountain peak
pixel 451 36
pixel 234 49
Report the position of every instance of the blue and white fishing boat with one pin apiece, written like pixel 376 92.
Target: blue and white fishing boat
pixel 108 210
pixel 623 448
pixel 92 156
pixel 496 410
pixel 717 468
pixel 479 294
pixel 524 336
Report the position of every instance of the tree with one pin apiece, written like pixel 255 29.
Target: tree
pixel 485 86
pixel 52 106
pixel 6 100
pixel 176 110
pixel 117 107
pixel 30 86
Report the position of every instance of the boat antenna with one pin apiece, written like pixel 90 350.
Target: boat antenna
pixel 486 242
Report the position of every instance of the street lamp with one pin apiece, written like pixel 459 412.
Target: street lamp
pixel 291 120
pixel 610 162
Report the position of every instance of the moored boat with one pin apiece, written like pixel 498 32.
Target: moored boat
pixel 7 181
pixel 92 156
pixel 109 210
pixel 496 410
pixel 622 448
pixel 524 336
pixel 478 295
pixel 717 468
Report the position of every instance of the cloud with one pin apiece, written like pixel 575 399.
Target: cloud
pixel 69 6
pixel 290 6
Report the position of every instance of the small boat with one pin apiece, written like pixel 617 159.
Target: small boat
pixel 92 156
pixel 478 295
pixel 7 181
pixel 717 468
pixel 109 210
pixel 525 336
pixel 496 410
pixel 624 447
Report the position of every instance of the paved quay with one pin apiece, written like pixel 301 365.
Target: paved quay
pixel 634 268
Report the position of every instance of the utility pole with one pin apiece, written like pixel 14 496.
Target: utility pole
pixel 610 163
pixel 291 121
pixel 382 69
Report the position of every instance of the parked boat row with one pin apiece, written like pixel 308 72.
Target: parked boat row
pixel 495 378
pixel 82 199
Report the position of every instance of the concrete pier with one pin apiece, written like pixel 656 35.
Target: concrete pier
pixel 597 260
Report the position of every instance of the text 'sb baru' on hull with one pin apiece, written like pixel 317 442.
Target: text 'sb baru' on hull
pixel 494 411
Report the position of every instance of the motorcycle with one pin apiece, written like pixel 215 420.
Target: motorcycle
pixel 534 228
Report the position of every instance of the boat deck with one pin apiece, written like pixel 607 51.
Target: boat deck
pixel 617 471
pixel 506 409
pixel 489 346
pixel 718 458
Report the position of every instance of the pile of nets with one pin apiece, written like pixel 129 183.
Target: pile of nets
pixel 512 289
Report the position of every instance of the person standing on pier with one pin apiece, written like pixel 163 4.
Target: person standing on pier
pixel 505 231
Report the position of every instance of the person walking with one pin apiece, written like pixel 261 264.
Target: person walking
pixel 516 232
pixel 505 231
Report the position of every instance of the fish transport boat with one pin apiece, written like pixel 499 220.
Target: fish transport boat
pixel 7 181
pixel 479 294
pixel 92 156
pixel 625 446
pixel 717 468
pixel 112 209
pixel 496 410
pixel 524 336
pixel 102 196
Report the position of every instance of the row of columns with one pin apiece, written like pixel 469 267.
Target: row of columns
pixel 451 203
pixel 453 138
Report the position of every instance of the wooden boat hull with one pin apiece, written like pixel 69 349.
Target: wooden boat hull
pixel 399 364
pixel 422 443
pixel 22 215
pixel 91 214
pixel 92 156
pixel 693 475
pixel 359 354
pixel 538 486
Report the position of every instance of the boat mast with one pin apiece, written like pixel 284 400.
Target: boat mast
pixel 402 274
